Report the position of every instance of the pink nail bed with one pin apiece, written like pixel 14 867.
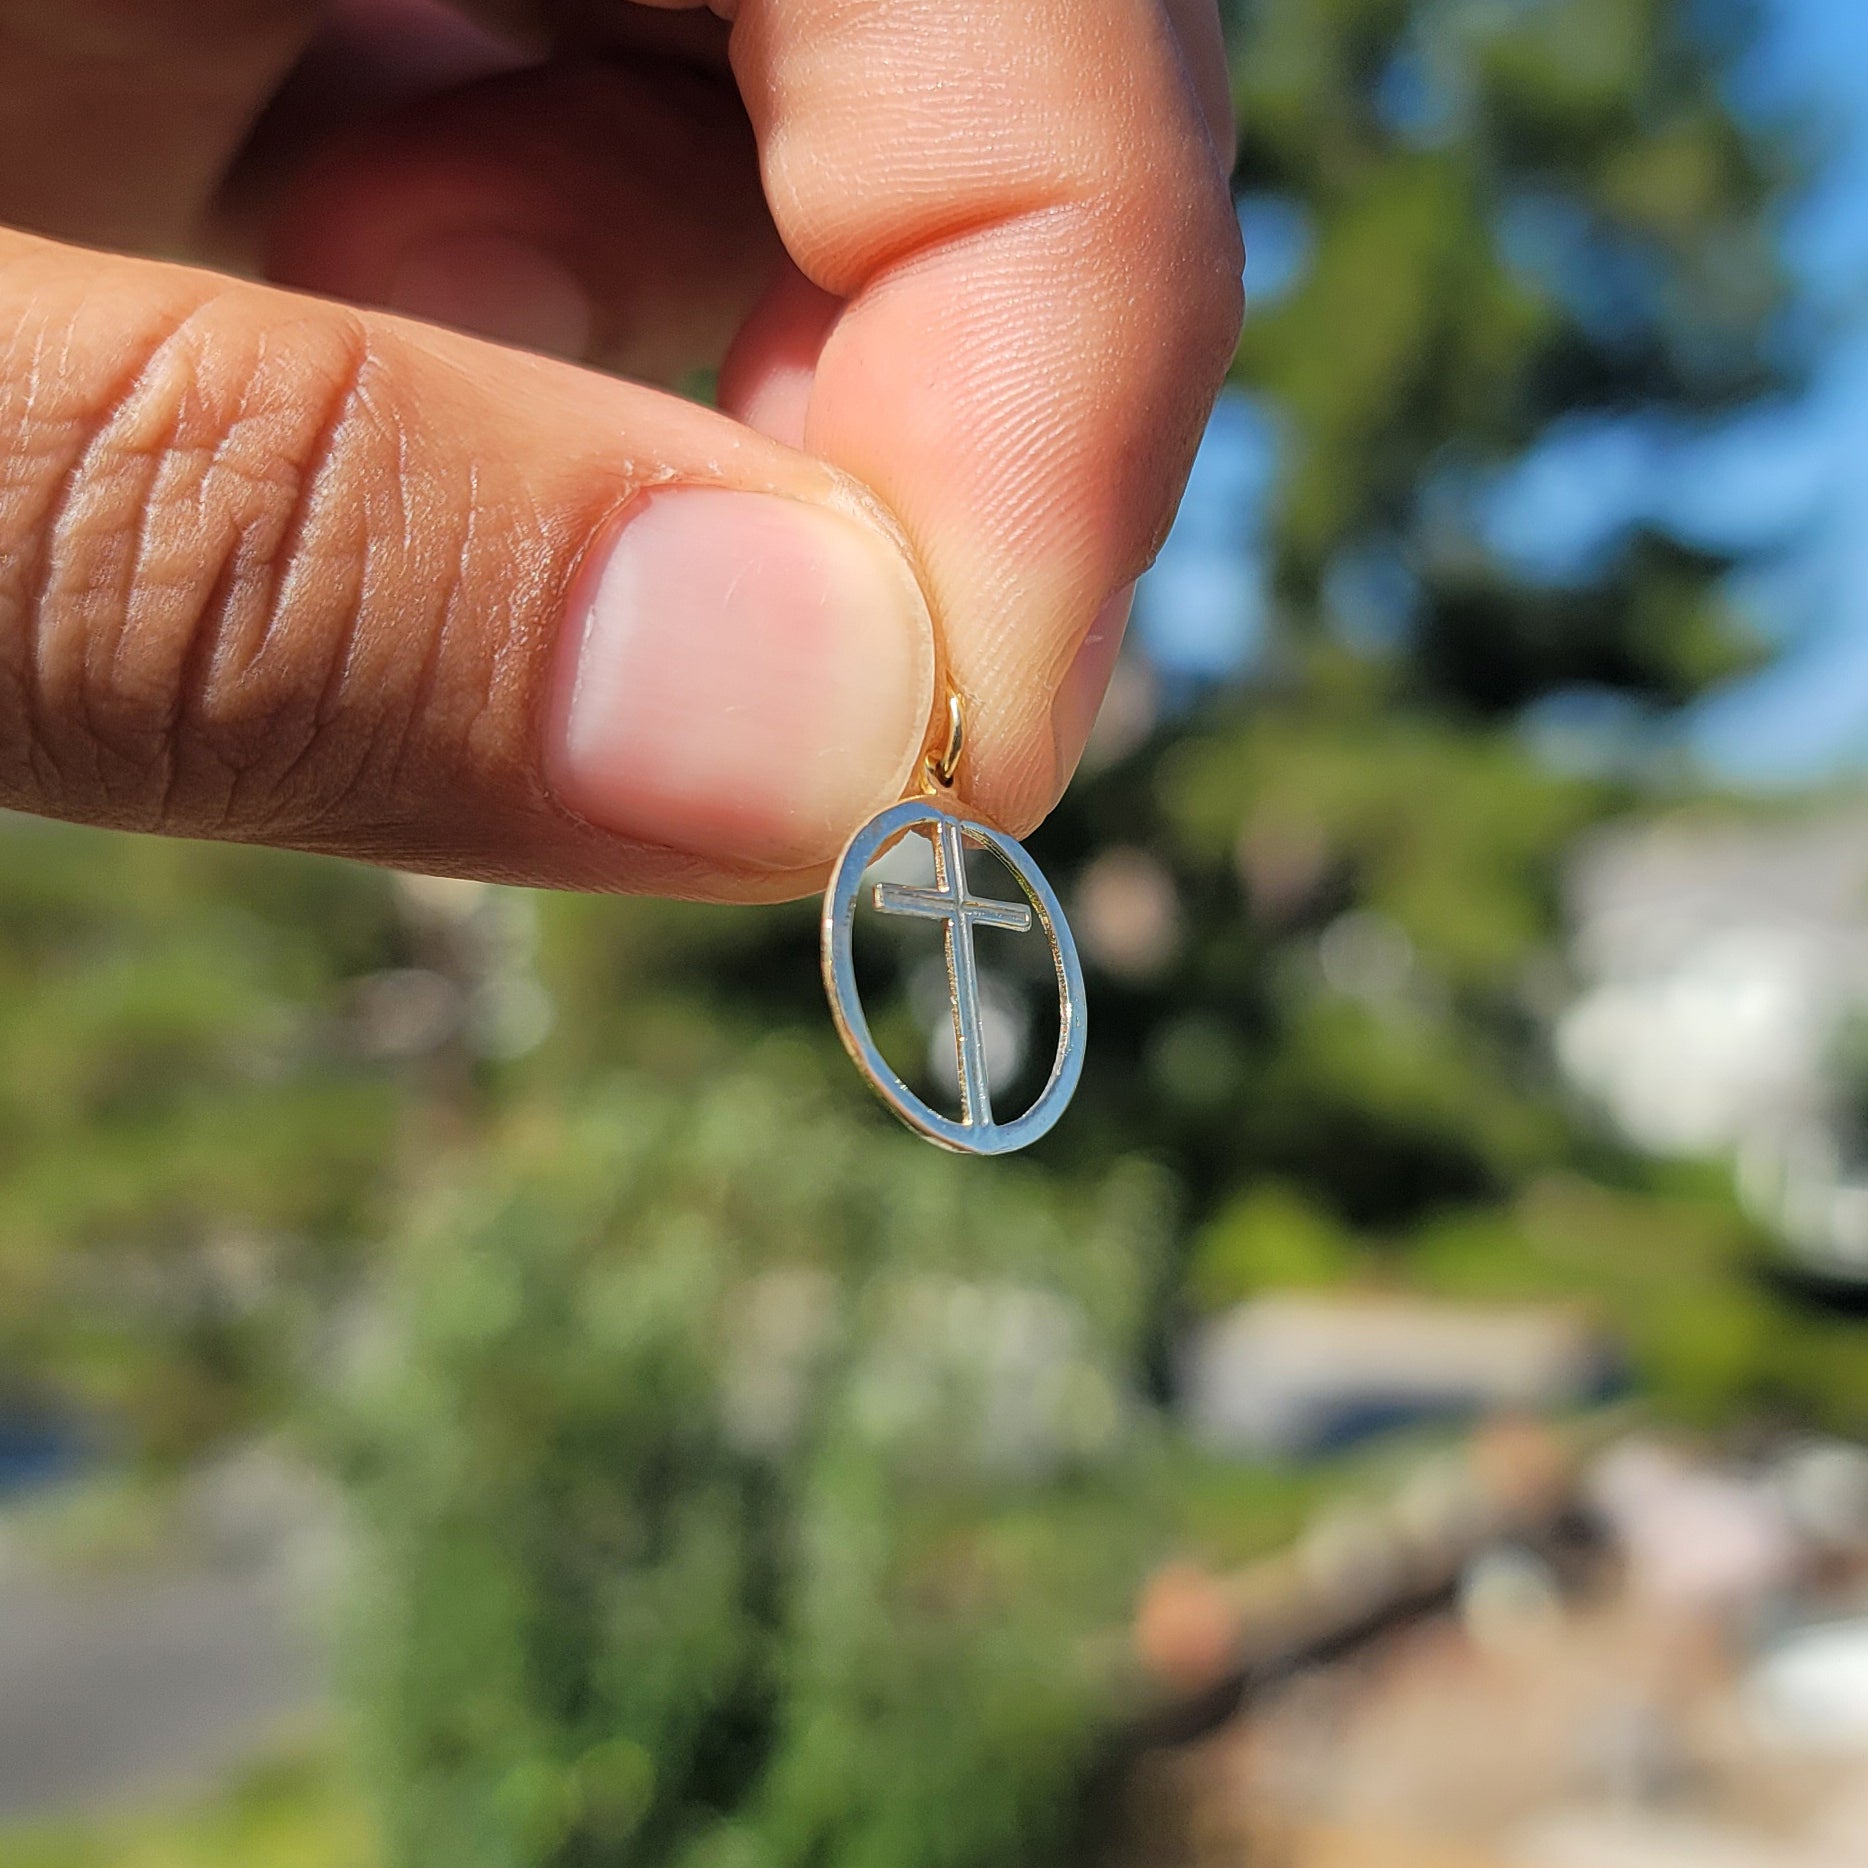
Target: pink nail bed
pixel 742 676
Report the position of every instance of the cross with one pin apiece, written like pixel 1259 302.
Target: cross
pixel 949 901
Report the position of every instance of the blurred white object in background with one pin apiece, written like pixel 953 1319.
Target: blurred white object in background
pixel 1624 1838
pixel 1298 1373
pixel 1689 1058
pixel 1824 1486
pixel 1368 956
pixel 1722 964
pixel 1508 1597
pixel 1810 1689
pixel 1693 1537
pixel 1718 960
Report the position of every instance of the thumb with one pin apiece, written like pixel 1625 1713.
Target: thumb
pixel 276 570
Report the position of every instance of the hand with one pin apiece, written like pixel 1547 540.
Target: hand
pixel 283 566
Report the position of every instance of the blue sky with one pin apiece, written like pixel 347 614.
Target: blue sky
pixel 1808 714
pixel 1797 470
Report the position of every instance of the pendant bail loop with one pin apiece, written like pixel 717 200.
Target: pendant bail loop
pixel 942 767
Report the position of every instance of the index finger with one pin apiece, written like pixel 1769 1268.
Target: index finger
pixel 1026 211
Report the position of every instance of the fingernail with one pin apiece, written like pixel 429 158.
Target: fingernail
pixel 743 677
pixel 495 286
pixel 1080 694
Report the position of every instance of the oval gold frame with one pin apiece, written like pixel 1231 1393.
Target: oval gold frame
pixel 966 1135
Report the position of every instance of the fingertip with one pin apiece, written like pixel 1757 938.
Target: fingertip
pixel 1086 681
pixel 767 377
pixel 1040 261
pixel 607 212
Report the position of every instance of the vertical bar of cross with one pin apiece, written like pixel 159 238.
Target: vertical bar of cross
pixel 963 981
pixel 960 912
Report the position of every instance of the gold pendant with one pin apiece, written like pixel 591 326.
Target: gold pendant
pixel 951 902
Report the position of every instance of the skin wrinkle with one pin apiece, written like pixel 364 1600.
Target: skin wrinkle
pixel 847 278
pixel 241 625
pixel 185 478
pixel 180 476
pixel 13 564
pixel 57 519
pixel 516 658
pixel 428 734
pixel 298 565
pixel 297 560
pixel 389 550
pixel 510 663
pixel 198 652
pixel 231 635
pixel 428 675
pixel 171 457
pixel 904 198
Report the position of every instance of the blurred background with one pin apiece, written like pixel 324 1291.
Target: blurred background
pixel 481 1385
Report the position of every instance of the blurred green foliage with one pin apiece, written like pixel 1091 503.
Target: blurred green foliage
pixel 293 1812
pixel 751 1489
pixel 190 1143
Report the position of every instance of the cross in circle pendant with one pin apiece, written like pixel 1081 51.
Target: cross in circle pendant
pixel 977 1131
pixel 949 901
